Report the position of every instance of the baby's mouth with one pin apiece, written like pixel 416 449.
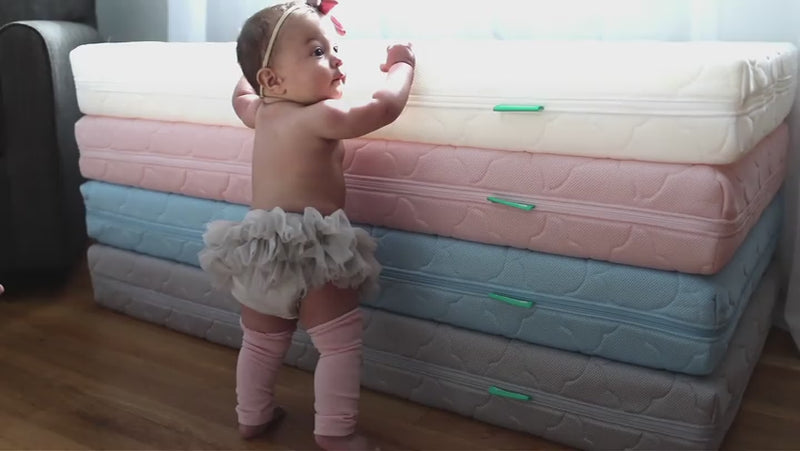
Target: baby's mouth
pixel 341 78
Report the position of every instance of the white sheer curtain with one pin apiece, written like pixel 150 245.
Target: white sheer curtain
pixel 540 19
pixel 733 20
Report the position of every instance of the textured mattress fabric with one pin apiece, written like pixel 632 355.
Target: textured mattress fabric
pixel 566 397
pixel 648 317
pixel 687 218
pixel 716 100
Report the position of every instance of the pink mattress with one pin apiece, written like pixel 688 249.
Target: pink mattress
pixel 688 218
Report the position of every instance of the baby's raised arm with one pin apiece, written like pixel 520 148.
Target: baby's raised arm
pixel 246 102
pixel 336 119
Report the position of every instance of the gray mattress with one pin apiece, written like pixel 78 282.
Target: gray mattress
pixel 581 401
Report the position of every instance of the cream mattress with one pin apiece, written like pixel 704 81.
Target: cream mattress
pixel 684 102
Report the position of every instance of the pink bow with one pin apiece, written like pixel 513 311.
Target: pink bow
pixel 338 25
pixel 324 7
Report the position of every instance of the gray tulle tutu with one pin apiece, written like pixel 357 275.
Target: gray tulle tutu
pixel 272 259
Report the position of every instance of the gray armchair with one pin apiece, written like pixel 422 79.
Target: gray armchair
pixel 42 224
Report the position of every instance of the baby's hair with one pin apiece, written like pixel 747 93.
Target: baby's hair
pixel 254 38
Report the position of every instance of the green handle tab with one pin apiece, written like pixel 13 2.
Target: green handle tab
pixel 508 394
pixel 505 107
pixel 511 301
pixel 509 203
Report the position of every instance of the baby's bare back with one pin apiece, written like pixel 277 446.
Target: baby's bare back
pixel 293 169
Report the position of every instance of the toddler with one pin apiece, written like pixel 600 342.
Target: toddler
pixel 295 255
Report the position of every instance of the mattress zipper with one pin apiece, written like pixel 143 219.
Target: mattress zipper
pixel 523 300
pixel 714 227
pixel 185 233
pixel 651 107
pixel 517 393
pixel 124 156
pixel 210 312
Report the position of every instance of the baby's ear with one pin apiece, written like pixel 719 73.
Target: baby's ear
pixel 271 83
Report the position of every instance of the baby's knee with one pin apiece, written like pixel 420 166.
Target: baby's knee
pixel 341 334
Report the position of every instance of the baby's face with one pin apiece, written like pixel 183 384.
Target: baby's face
pixel 308 60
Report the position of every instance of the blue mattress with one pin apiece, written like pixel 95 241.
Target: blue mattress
pixel 652 318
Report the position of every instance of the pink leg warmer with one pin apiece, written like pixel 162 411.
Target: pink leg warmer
pixel 337 379
pixel 260 358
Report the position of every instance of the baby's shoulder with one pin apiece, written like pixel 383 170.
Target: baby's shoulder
pixel 281 112
pixel 288 116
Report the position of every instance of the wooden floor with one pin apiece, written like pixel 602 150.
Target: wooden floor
pixel 76 376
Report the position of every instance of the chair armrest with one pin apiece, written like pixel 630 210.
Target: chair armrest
pixel 45 214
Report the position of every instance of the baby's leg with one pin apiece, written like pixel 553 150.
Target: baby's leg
pixel 333 321
pixel 265 341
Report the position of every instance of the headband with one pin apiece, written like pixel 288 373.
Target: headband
pixel 275 31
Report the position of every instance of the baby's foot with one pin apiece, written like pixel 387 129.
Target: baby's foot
pixel 353 442
pixel 2 289
pixel 249 432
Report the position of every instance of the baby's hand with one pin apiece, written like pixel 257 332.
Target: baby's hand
pixel 398 53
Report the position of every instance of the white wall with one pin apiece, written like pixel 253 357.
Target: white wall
pixel 187 20
pixel 226 17
pixel 132 20
pixel 154 20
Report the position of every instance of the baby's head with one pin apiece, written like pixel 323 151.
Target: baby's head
pixel 289 51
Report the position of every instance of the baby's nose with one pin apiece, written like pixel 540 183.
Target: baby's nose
pixel 336 61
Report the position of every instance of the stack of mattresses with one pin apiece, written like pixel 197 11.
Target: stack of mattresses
pixel 577 251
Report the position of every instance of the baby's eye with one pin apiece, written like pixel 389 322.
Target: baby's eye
pixel 318 51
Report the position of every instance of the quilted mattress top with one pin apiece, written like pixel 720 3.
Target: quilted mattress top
pixel 701 303
pixel 618 98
